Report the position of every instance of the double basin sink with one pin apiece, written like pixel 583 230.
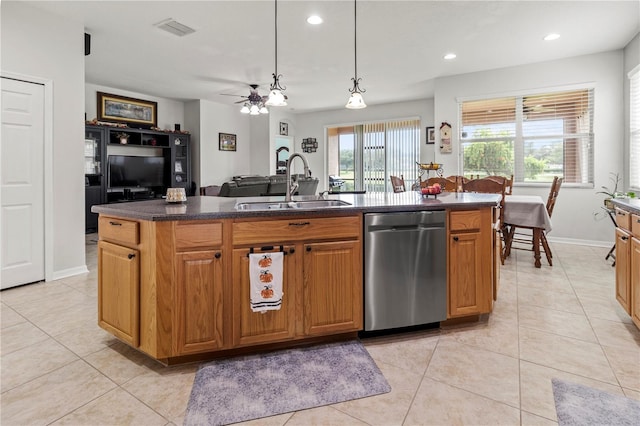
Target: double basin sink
pixel 291 205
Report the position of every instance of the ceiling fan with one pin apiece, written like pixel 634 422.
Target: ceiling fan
pixel 254 103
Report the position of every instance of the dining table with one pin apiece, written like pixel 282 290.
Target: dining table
pixel 527 211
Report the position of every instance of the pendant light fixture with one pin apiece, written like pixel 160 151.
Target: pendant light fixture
pixel 355 100
pixel 276 97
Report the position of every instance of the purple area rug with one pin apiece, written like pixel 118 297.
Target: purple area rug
pixel 250 387
pixel 579 405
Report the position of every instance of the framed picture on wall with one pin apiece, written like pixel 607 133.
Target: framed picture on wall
pixel 121 109
pixel 226 142
pixel 284 129
pixel 431 135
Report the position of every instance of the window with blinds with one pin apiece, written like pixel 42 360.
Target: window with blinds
pixel 634 129
pixel 363 156
pixel 534 137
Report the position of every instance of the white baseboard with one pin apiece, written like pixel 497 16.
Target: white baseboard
pixel 592 243
pixel 57 275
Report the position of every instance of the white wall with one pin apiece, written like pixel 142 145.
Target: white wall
pixel 40 44
pixel 170 112
pixel 192 124
pixel 312 125
pixel 631 60
pixel 260 163
pixel 573 215
pixel 219 166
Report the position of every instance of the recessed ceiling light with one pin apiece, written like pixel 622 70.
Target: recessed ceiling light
pixel 551 37
pixel 450 56
pixel 314 20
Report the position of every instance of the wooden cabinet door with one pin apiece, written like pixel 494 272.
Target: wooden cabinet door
pixel 256 327
pixel 119 291
pixel 623 265
pixel 635 281
pixel 332 299
pixel 198 301
pixel 467 294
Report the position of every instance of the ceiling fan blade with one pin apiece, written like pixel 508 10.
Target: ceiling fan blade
pixel 227 94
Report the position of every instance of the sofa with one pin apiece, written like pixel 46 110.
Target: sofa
pixel 256 186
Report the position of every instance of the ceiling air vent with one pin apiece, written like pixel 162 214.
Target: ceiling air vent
pixel 174 27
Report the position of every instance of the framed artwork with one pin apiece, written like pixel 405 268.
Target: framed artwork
pixel 284 129
pixel 226 142
pixel 309 145
pixel 121 109
pixel 431 135
pixel 178 166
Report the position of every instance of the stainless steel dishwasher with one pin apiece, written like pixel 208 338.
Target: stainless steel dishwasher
pixel 405 271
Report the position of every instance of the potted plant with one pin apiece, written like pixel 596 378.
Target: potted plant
pixel 611 193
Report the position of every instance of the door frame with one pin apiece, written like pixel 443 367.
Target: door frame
pixel 48 163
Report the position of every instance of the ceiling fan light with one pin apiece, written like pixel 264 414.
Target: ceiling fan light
pixel 276 98
pixel 264 110
pixel 245 109
pixel 356 101
pixel 254 110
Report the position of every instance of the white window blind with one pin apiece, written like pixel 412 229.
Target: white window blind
pixel 365 155
pixel 634 129
pixel 391 148
pixel 533 137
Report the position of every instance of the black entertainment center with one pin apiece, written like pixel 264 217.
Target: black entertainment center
pixel 124 164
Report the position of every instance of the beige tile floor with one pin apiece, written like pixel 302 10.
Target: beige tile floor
pixel 58 367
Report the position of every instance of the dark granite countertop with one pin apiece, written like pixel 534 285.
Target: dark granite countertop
pixel 200 207
pixel 629 204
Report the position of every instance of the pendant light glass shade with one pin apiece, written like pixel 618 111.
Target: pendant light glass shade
pixel 355 100
pixel 276 97
pixel 245 109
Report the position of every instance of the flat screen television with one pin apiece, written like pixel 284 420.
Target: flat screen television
pixel 134 171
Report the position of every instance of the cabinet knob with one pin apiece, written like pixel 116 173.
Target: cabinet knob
pixel 455 238
pixel 217 255
pixel 308 248
pixel 292 250
pixel 131 255
pixel 624 238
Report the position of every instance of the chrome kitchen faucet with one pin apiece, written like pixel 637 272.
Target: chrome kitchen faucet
pixel 292 186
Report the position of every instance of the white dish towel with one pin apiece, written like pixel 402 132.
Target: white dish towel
pixel 265 278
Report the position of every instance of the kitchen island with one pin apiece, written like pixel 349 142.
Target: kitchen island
pixel 173 279
pixel 627 258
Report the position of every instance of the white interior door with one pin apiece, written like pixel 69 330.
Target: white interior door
pixel 21 183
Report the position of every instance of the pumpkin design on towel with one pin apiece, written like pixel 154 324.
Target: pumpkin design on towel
pixel 265 262
pixel 266 276
pixel 266 292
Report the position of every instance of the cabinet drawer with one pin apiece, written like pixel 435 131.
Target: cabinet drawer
pixel 190 235
pixel 296 229
pixel 464 220
pixel 635 225
pixel 623 219
pixel 120 230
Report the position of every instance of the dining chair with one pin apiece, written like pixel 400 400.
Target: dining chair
pixel 492 186
pixel 484 185
pixel 397 183
pixel 447 184
pixel 509 182
pixel 514 236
